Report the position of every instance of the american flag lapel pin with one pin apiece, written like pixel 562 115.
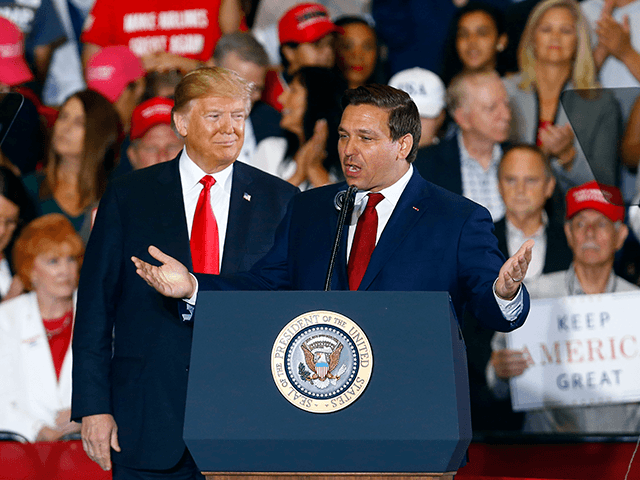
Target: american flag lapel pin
pixel 247 197
pixel 416 209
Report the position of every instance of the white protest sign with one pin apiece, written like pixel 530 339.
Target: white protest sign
pixel 581 350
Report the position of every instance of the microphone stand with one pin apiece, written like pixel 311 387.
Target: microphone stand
pixel 348 201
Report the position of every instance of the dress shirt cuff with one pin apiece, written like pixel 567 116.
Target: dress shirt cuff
pixel 190 303
pixel 634 216
pixel 510 309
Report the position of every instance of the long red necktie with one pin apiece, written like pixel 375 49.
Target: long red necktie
pixel 205 249
pixel 364 241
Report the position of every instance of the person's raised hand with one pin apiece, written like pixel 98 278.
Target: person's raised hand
pixel 558 142
pixel 513 271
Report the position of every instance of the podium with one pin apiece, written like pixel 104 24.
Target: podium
pixel 412 419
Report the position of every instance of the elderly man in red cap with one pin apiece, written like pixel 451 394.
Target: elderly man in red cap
pixel 595 232
pixel 152 138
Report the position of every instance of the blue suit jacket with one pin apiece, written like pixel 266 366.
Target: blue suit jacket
pixel 434 241
pixel 140 373
pixel 440 164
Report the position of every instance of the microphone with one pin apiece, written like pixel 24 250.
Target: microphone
pixel 339 199
pixel 343 201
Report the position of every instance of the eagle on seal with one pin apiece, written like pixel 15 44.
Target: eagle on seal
pixel 318 363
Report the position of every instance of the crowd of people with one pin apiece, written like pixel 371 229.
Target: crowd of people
pixel 518 120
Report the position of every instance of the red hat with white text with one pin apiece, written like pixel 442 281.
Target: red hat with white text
pixel 155 111
pixel 13 67
pixel 111 69
pixel 606 199
pixel 305 23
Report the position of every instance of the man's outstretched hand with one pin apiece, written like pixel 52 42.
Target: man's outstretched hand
pixel 513 271
pixel 171 279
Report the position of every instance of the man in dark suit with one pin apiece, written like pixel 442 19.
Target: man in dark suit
pixel 466 163
pixel 131 347
pixel 423 237
pixel 526 183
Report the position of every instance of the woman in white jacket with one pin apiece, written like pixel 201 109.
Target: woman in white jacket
pixel 36 329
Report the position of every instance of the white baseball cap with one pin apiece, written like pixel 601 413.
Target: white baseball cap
pixel 424 87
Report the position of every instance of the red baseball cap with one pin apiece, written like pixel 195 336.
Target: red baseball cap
pixel 305 23
pixel 606 199
pixel 13 68
pixel 155 111
pixel 111 69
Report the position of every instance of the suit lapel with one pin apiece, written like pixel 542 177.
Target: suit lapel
pixel 171 203
pixel 240 206
pixel 410 208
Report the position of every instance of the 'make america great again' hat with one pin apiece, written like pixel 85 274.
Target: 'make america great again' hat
pixel 606 199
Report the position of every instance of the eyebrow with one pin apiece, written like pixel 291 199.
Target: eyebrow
pixel 366 131
pixel 218 110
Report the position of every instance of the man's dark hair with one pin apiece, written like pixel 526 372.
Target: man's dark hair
pixel 324 93
pixel 403 114
pixel 531 148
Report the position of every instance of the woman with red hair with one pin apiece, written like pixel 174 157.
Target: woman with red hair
pixel 35 332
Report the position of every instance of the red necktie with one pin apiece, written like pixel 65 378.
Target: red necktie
pixel 205 251
pixel 364 241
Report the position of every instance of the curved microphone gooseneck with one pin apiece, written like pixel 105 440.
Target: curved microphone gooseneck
pixel 343 202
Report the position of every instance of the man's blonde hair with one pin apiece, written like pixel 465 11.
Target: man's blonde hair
pixel 211 82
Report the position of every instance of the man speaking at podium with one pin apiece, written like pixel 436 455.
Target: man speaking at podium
pixel 405 233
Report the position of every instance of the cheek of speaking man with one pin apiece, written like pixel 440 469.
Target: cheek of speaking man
pixel 152 138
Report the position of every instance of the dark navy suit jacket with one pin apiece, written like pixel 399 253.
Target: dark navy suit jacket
pixel 440 164
pixel 140 373
pixel 434 241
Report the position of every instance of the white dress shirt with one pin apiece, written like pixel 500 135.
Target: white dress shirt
pixel 384 209
pixel 515 239
pixel 190 176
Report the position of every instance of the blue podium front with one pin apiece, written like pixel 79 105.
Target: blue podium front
pixel 412 416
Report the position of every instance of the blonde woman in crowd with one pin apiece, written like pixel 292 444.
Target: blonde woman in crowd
pixel 579 130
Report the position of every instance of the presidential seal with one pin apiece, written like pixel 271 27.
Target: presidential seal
pixel 321 361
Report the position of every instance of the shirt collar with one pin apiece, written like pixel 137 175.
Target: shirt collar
pixel 465 156
pixel 574 287
pixel 393 192
pixel 191 174
pixel 513 230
